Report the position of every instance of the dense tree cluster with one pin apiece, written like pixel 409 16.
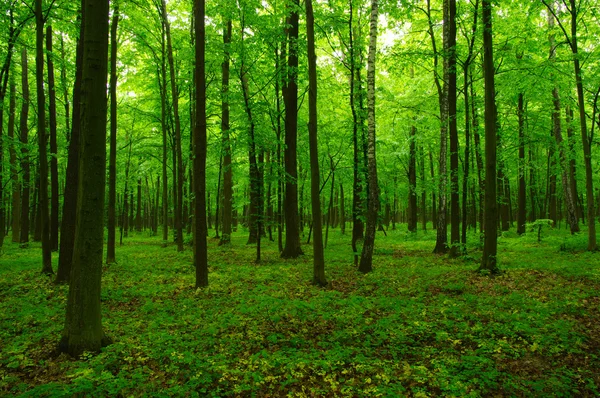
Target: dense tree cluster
pixel 263 116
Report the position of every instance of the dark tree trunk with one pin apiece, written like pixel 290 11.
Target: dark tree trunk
pixel 453 132
pixel 42 142
pixel 533 213
pixel 366 259
pixel 412 181
pixel 112 162
pixel 67 227
pixel 292 247
pixel 423 191
pixel 522 200
pixel 489 261
pixel 14 175
pixel 357 205
pixel 83 326
pixel 162 83
pixel 227 174
pixel 138 208
pixel 551 188
pixel 342 210
pixel 200 247
pixel 53 146
pixel 318 257
pixel 433 196
pixel 572 163
pixel 177 141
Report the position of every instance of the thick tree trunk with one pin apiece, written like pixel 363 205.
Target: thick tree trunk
pixel 489 261
pixel 366 259
pixel 42 142
pixel 292 247
pixel 112 162
pixel 67 227
pixel 53 146
pixel 200 247
pixel 83 326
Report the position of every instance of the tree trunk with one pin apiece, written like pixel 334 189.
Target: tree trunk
pixel 42 141
pixel 522 206
pixel 412 181
pixel 83 326
pixel 112 162
pixel 53 146
pixel 572 163
pixel 177 148
pixel 453 131
pixel 67 227
pixel 200 247
pixel 342 210
pixel 318 256
pixel 227 174
pixel 489 261
pixel 292 247
pixel 366 259
pixel 162 83
pixel 14 174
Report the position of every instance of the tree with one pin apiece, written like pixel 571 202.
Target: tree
pixel 200 247
pixel 42 141
pixel 490 247
pixel 54 204
pixel 112 162
pixel 450 49
pixel 83 327
pixel 227 166
pixel 25 167
pixel 366 259
pixel 318 257
pixel 292 247
pixel 69 218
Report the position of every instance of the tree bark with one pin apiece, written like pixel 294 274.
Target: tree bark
pixel 200 247
pixel 177 149
pixel 227 167
pixel 318 256
pixel 53 146
pixel 366 259
pixel 522 206
pixel 83 326
pixel 292 247
pixel 412 181
pixel 14 175
pixel 42 142
pixel 67 227
pixel 453 132
pixel 490 247
pixel 112 162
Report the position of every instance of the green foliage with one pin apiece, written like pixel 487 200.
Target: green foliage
pixel 419 325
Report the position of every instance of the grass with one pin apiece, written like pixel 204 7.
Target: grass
pixel 418 325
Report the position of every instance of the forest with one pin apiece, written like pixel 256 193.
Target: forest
pixel 299 198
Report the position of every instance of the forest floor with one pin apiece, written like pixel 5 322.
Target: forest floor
pixel 418 325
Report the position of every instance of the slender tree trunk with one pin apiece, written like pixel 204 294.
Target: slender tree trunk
pixel 489 261
pixel 342 210
pixel 433 196
pixel 412 181
pixel 200 247
pixel 533 214
pixel 522 207
pixel 318 256
pixel 366 260
pixel 69 218
pixel 25 167
pixel 53 146
pixel 162 83
pixel 63 79
pixel 42 142
pixel 177 148
pixel 467 159
pixel 83 326
pixel 423 190
pixel 227 174
pixel 14 175
pixel 292 247
pixel 551 192
pixel 112 162
pixel 572 163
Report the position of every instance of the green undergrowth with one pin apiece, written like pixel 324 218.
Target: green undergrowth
pixel 418 325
